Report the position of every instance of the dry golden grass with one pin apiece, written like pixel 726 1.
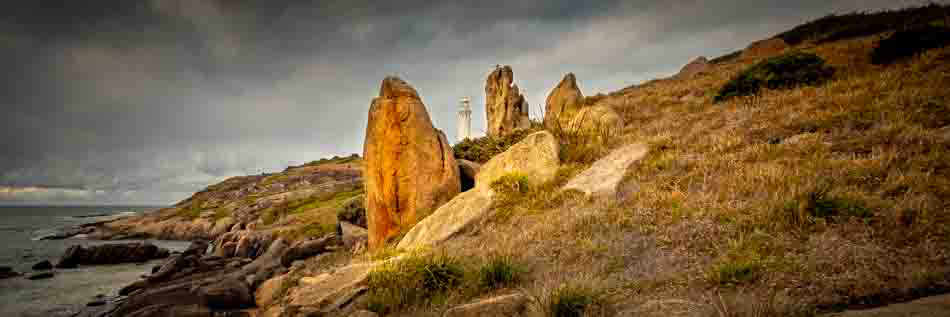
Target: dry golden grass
pixel 803 200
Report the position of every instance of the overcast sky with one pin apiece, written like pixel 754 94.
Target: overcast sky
pixel 145 102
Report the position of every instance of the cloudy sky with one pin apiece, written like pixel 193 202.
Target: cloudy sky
pixel 144 102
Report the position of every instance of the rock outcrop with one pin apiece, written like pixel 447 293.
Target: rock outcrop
pixel 110 254
pixel 764 48
pixel 353 211
pixel 698 65
pixel 602 178
pixel 597 122
pixel 562 103
pixel 505 305
pixel 536 155
pixel 505 108
pixel 409 166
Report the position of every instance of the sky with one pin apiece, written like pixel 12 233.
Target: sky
pixel 145 102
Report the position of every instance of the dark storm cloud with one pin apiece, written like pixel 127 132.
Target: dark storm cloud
pixel 147 101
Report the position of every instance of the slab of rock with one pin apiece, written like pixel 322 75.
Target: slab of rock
pixel 43 265
pixel 933 306
pixel 506 109
pixel 409 166
pixel 351 235
pixel 505 305
pixel 597 122
pixel 698 65
pixel 110 254
pixel 230 293
pixel 602 178
pixel 764 48
pixel 536 156
pixel 327 292
pixel 562 103
pixel 306 249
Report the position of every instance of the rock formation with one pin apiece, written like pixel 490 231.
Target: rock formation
pixel 764 48
pixel 563 102
pixel 597 122
pixel 111 254
pixel 698 65
pixel 409 166
pixel 536 155
pixel 506 109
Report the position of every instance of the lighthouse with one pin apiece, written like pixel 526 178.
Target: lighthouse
pixel 464 119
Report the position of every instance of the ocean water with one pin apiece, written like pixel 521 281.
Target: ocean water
pixel 20 248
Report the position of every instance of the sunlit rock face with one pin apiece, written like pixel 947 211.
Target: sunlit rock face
pixel 563 103
pixel 505 107
pixel 409 167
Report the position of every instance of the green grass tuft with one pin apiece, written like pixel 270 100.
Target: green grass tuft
pixel 571 301
pixel 413 280
pixel 500 271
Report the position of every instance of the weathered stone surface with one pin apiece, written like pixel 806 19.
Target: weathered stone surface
pixel 764 48
pixel 231 293
pixel 351 235
pixel 266 293
pixel 933 306
pixel 698 65
pixel 222 226
pixel 43 265
pixel 110 254
pixel 467 172
pixel 306 249
pixel 505 305
pixel 602 178
pixel 409 166
pixel 597 122
pixel 535 156
pixel 505 107
pixel 353 211
pixel 327 291
pixel 562 103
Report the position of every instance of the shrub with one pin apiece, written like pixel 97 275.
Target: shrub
pixel 735 272
pixel 781 72
pixel 500 271
pixel 858 24
pixel 908 43
pixel 820 204
pixel 571 301
pixel 482 149
pixel 412 280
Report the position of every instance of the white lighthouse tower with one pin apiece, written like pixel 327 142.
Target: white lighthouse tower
pixel 464 119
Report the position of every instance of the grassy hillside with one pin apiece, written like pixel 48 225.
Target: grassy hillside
pixel 793 201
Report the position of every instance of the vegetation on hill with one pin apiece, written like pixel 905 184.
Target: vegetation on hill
pixel 858 24
pixel 781 72
pixel 480 150
pixel 909 42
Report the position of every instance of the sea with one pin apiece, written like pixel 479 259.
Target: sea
pixel 21 247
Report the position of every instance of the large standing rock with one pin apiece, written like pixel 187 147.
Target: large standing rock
pixel 536 156
pixel 409 166
pixel 505 107
pixel 698 65
pixel 562 103
pixel 597 122
pixel 764 48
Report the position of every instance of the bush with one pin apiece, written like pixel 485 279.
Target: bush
pixel 858 24
pixel 571 301
pixel 820 204
pixel 500 271
pixel 412 280
pixel 482 149
pixel 908 43
pixel 781 72
pixel 735 272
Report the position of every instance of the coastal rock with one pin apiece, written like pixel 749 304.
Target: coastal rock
pixel 467 172
pixel 267 293
pixel 351 235
pixel 602 178
pixel 505 305
pixel 307 249
pixel 135 252
pixel 535 155
pixel 409 166
pixel 43 265
pixel 41 275
pixel 222 226
pixel 327 292
pixel 230 293
pixel 505 107
pixel 764 48
pixel 353 211
pixel 562 103
pixel 698 65
pixel 598 122
pixel 7 272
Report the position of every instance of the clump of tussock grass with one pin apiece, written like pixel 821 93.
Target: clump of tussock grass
pixel 413 280
pixel 819 204
pixel 515 193
pixel 781 72
pixel 572 301
pixel 500 271
pixel 909 42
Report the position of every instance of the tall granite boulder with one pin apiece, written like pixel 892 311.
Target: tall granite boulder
pixel 505 107
pixel 409 166
pixel 563 102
